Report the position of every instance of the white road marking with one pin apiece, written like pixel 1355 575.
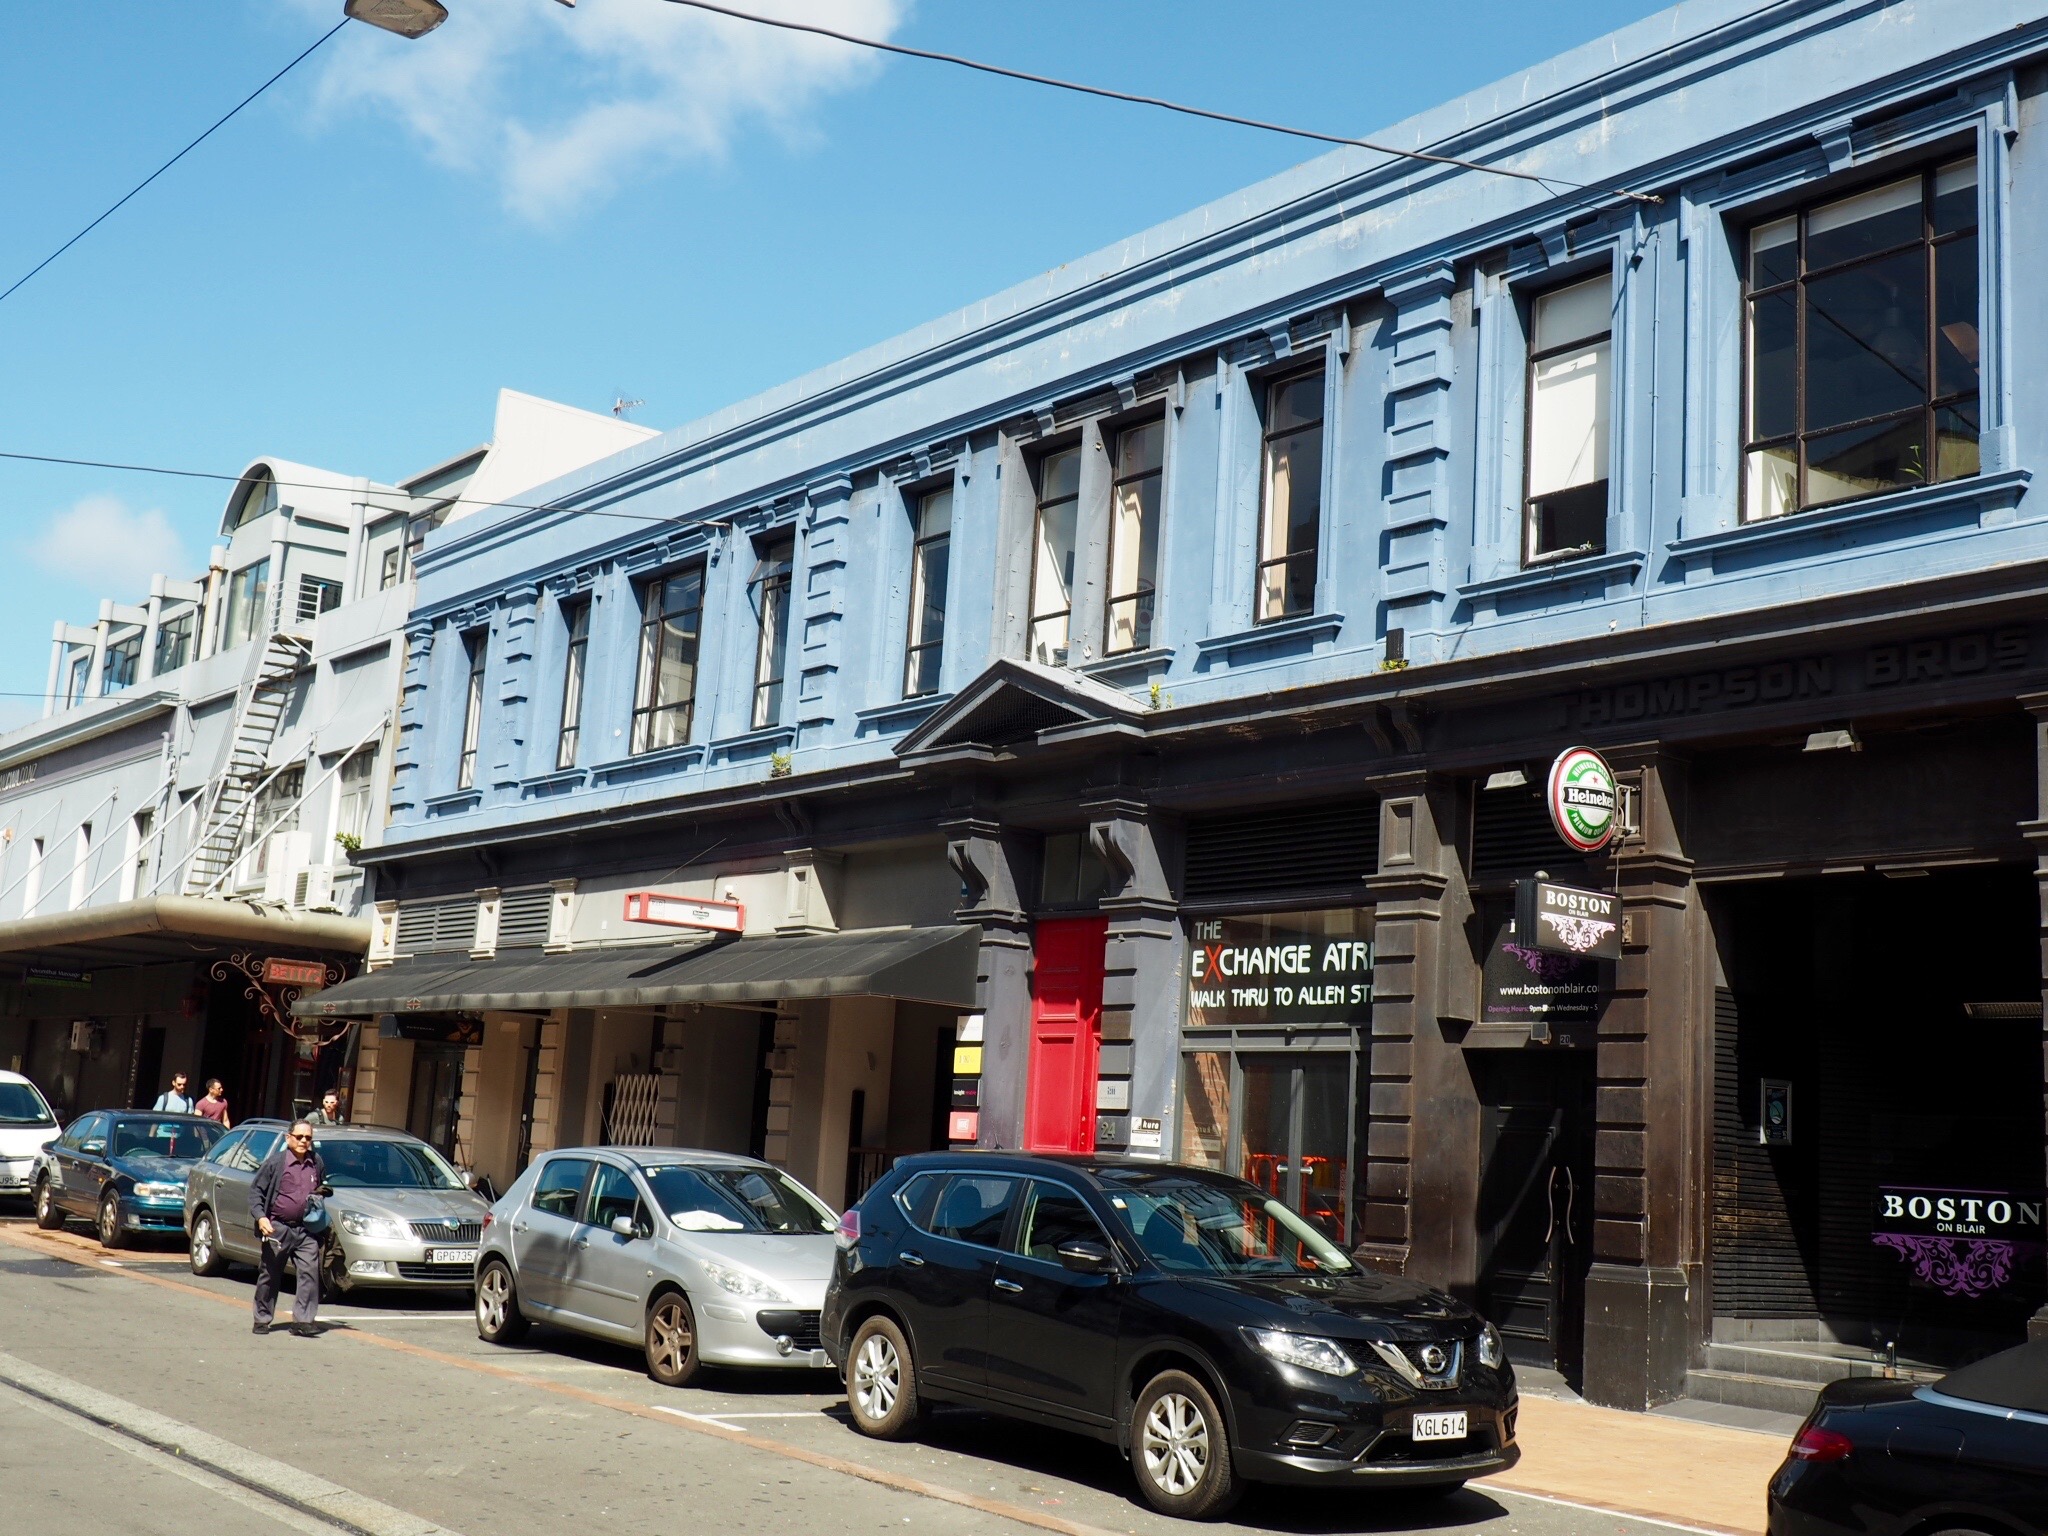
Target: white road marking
pixel 794 1413
pixel 1596 1509
pixel 694 1418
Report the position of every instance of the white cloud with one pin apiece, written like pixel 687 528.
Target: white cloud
pixel 562 107
pixel 105 544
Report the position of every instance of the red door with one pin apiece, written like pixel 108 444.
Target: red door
pixel 1066 1022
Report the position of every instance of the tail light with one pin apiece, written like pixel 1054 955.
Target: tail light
pixel 847 1233
pixel 488 1219
pixel 1817 1444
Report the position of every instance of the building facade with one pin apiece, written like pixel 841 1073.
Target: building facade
pixel 1193 628
pixel 176 831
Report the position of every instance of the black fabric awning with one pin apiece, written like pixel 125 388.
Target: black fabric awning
pixel 924 965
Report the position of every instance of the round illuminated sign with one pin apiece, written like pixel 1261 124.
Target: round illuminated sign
pixel 1582 799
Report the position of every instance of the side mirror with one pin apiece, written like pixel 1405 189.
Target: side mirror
pixel 624 1226
pixel 93 1148
pixel 324 1191
pixel 469 1178
pixel 1085 1256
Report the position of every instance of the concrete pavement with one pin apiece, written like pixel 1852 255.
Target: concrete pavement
pixel 403 1405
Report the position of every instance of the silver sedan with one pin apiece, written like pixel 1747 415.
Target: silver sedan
pixel 700 1258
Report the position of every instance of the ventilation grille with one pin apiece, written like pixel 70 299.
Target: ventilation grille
pixel 523 918
pixel 432 927
pixel 1311 850
pixel 1512 838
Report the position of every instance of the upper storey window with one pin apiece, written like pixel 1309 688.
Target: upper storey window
pixel 1134 535
pixel 248 603
pixel 569 740
pixel 671 611
pixel 1292 518
pixel 475 648
pixel 1863 345
pixel 773 569
pixel 929 557
pixel 1052 559
pixel 1571 389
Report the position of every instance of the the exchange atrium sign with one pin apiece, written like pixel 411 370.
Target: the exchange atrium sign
pixel 1280 969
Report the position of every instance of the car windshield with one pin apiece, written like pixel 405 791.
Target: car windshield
pixel 368 1164
pixel 163 1138
pixel 1209 1224
pixel 703 1199
pixel 20 1104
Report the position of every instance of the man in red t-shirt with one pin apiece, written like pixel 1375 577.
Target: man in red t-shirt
pixel 215 1105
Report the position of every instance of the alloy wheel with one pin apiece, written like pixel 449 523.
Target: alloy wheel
pixel 110 1222
pixel 671 1341
pixel 1175 1443
pixel 877 1377
pixel 202 1242
pixel 493 1296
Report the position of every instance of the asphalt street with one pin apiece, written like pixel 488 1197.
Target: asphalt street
pixel 133 1397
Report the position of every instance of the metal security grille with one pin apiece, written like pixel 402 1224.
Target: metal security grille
pixel 1760 1266
pixel 523 918
pixel 1512 838
pixel 316 596
pixel 1309 851
pixel 629 1120
pixel 436 927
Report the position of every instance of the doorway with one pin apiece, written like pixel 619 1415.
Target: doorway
pixel 435 1108
pixel 1535 1212
pixel 1066 1021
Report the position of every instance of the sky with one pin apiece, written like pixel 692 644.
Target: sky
pixel 627 199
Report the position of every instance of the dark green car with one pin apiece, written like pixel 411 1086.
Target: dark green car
pixel 123 1170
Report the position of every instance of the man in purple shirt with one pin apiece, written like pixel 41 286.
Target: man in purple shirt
pixel 280 1198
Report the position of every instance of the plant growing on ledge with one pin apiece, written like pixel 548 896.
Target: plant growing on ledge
pixel 778 765
pixel 349 841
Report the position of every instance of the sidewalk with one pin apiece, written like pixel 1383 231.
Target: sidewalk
pixel 1643 1464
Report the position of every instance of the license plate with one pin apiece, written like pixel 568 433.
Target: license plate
pixel 1437 1426
pixel 468 1256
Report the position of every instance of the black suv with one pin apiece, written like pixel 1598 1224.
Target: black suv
pixel 1206 1330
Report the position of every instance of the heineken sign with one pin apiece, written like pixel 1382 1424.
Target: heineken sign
pixel 1582 799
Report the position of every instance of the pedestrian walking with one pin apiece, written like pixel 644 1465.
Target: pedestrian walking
pixel 329 1112
pixel 284 1202
pixel 175 1100
pixel 215 1105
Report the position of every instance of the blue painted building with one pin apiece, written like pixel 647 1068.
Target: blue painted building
pixel 1115 715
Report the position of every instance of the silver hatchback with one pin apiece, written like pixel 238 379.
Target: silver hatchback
pixel 399 1215
pixel 700 1258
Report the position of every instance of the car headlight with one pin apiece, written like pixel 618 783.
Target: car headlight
pixel 356 1224
pixel 739 1283
pixel 1491 1353
pixel 159 1191
pixel 1304 1350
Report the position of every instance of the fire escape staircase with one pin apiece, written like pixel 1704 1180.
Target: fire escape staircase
pixel 259 708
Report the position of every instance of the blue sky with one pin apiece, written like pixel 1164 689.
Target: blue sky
pixel 623 198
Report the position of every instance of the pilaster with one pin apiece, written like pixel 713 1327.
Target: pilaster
pixel 1142 982
pixel 994 868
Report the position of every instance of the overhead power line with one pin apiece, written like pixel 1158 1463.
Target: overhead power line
pixel 181 154
pixel 1546 182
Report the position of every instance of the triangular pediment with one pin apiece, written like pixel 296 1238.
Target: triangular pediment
pixel 1015 702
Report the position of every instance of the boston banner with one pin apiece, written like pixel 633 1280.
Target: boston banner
pixel 1568 919
pixel 1963 1242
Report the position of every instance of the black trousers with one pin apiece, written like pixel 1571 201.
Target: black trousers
pixel 293 1244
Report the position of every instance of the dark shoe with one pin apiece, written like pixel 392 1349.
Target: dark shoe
pixel 260 1329
pixel 305 1331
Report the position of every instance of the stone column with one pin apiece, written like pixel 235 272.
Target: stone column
pixel 1420 1186
pixel 1142 982
pixel 994 868
pixel 2036 833
pixel 1653 1106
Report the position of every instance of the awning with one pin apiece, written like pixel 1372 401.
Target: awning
pixel 923 965
pixel 158 929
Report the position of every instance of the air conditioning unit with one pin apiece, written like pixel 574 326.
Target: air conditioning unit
pixel 87 1037
pixel 314 887
pixel 285 854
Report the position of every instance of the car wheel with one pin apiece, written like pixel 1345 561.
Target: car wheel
pixel 672 1357
pixel 204 1247
pixel 334 1277
pixel 498 1318
pixel 881 1381
pixel 1180 1449
pixel 49 1214
pixel 111 1225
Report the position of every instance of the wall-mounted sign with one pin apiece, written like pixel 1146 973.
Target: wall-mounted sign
pixel 56 976
pixel 1774 1112
pixel 1963 1242
pixel 1568 919
pixel 1146 1134
pixel 1582 799
pixel 437 1028
pixel 963 1125
pixel 1558 997
pixel 1291 969
pixel 685 912
pixel 279 972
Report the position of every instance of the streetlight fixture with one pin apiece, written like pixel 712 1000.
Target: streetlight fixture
pixel 408 18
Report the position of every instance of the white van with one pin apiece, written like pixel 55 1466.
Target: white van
pixel 25 1125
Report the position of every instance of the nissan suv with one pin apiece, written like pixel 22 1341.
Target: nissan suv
pixel 1209 1332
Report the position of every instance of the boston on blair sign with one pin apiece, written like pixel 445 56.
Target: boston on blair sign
pixel 1582 799
pixel 1568 919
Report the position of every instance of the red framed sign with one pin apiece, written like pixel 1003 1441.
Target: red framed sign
pixel 685 912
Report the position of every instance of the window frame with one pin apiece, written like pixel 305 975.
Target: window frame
pixel 773 588
pixel 1813 197
pixel 1056 655
pixel 248 600
pixel 174 632
pixel 122 665
pixel 576 616
pixel 1269 386
pixel 918 640
pixel 1026 1209
pixel 476 645
pixel 1532 558
pixel 574 1214
pixel 1146 593
pixel 649 708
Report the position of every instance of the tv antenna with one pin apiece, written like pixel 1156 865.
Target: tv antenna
pixel 621 405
